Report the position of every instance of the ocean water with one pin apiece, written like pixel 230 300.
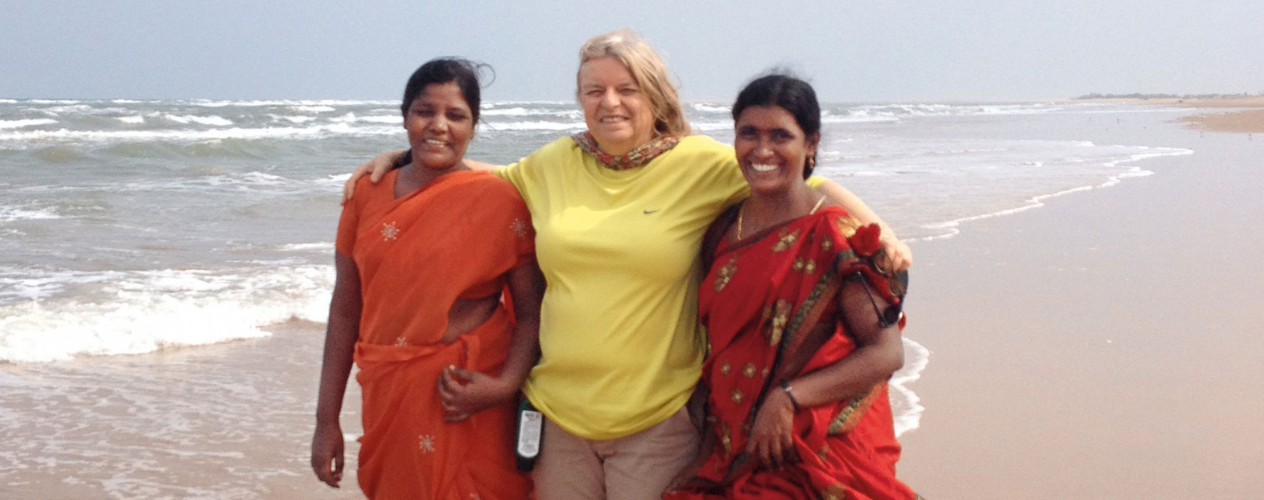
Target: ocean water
pixel 149 247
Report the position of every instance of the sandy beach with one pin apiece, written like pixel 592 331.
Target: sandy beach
pixel 1249 121
pixel 1104 346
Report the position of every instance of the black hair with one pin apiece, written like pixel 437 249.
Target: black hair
pixel 789 93
pixel 445 70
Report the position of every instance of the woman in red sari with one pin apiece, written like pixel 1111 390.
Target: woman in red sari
pixel 802 323
pixel 421 262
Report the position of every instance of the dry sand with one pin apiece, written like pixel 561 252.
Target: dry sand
pixel 1250 121
pixel 1106 346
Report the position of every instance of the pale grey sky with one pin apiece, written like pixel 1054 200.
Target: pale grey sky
pixel 893 50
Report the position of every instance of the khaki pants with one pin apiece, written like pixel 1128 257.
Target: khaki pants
pixel 636 467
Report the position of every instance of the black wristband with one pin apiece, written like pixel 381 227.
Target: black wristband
pixel 785 386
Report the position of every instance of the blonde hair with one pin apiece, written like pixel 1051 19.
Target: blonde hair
pixel 649 72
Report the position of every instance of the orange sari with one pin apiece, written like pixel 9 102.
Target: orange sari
pixel 453 239
pixel 770 307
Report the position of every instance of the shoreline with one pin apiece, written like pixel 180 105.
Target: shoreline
pixel 1024 381
pixel 1104 346
pixel 1249 121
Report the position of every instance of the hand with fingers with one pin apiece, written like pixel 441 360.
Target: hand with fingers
pixel 898 256
pixel 772 436
pixel 465 392
pixel 327 453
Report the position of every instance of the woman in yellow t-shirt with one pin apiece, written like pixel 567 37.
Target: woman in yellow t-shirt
pixel 619 212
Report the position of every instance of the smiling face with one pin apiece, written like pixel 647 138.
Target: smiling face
pixel 618 114
pixel 771 148
pixel 440 126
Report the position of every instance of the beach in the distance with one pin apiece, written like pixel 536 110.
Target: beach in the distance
pixel 1106 346
pixel 1082 307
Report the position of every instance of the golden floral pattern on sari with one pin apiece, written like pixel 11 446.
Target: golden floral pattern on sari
pixel 775 316
pixel 519 227
pixel 726 439
pixel 834 492
pixel 805 266
pixel 813 298
pixel 786 241
pixel 725 368
pixel 725 273
pixel 848 225
pixel 749 370
pixel 389 231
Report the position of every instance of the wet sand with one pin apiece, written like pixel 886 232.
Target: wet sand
pixel 230 420
pixel 1104 346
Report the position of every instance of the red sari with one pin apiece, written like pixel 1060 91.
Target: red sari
pixel 769 304
pixel 455 238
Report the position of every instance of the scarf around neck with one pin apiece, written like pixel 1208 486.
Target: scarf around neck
pixel 635 158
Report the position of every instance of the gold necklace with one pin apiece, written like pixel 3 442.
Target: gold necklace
pixel 742 210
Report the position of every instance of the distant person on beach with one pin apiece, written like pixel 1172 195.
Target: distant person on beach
pixel 620 211
pixel 421 262
pixel 801 310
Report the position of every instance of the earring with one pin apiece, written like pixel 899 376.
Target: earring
pixel 812 161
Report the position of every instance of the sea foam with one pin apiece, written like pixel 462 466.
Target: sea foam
pixel 217 121
pixel 144 311
pixel 298 133
pixel 952 227
pixel 15 213
pixel 26 123
pixel 905 405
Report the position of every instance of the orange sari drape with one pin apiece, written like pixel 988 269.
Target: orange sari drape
pixel 455 238
pixel 769 304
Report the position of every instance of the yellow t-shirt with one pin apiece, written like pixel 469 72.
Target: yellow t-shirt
pixel 621 347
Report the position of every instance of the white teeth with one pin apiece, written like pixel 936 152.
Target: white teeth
pixel 435 142
pixel 611 119
pixel 758 167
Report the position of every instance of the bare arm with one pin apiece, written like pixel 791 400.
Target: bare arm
pixel 900 254
pixel 340 339
pixel 381 164
pixel 526 284
pixel 879 353
pixel 464 392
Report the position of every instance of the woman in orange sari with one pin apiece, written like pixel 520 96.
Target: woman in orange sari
pixel 422 260
pixel 803 327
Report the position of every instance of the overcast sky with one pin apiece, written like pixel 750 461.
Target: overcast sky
pixel 853 51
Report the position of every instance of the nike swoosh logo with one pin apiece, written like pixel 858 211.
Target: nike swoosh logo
pixel 647 212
